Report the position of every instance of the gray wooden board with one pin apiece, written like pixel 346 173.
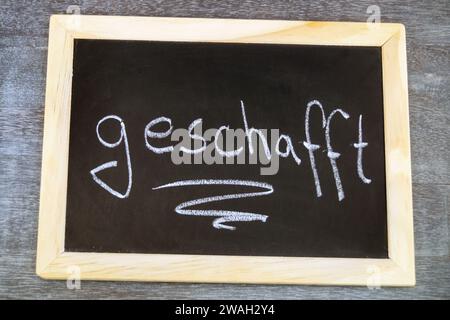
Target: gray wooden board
pixel 23 54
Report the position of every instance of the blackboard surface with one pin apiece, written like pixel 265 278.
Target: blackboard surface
pixel 141 81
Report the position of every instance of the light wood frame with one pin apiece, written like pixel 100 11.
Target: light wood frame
pixel 53 261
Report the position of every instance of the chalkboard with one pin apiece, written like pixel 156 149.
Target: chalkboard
pixel 323 201
pixel 222 150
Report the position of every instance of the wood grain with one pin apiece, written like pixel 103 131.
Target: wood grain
pixel 23 41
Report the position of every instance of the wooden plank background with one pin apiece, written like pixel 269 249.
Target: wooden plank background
pixel 23 53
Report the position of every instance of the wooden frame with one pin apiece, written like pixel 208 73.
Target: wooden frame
pixel 53 261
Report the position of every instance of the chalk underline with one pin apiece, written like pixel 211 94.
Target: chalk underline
pixel 223 216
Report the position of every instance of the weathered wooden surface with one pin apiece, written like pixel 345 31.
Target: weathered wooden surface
pixel 23 51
